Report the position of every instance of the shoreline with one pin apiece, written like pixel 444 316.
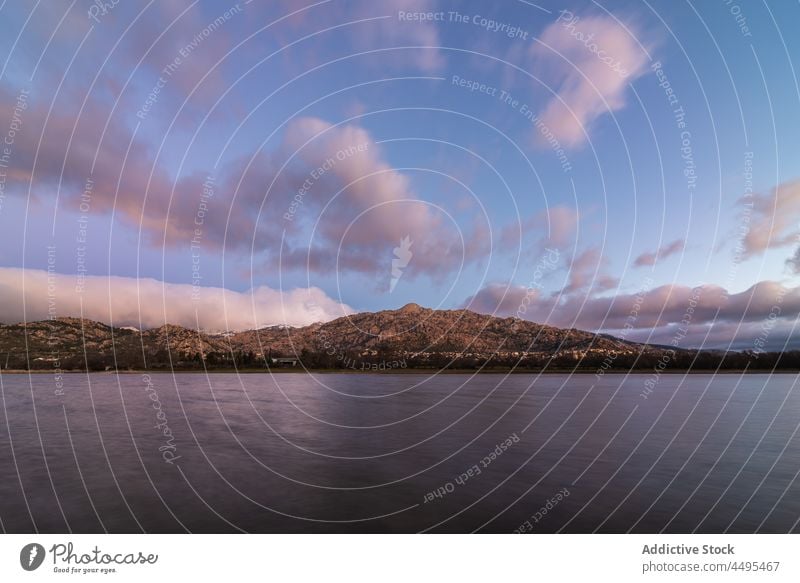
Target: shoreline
pixel 300 370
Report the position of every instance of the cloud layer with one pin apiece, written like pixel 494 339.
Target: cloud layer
pixel 767 309
pixel 31 295
pixel 348 207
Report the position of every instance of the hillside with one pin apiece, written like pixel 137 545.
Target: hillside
pixel 412 332
pixel 413 329
pixel 74 343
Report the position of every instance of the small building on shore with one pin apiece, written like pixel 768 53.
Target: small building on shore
pixel 284 360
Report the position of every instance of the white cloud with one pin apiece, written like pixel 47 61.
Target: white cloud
pixel 149 303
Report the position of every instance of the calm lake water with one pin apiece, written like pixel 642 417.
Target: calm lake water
pixel 399 453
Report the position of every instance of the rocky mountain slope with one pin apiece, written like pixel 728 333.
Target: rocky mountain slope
pixel 410 332
pixel 413 329
pixel 72 343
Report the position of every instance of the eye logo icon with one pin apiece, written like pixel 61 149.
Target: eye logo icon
pixel 31 556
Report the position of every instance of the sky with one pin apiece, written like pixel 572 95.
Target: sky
pixel 625 167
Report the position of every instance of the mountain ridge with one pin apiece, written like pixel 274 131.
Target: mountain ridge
pixel 408 337
pixel 410 331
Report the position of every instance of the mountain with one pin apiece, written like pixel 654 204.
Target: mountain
pixel 414 329
pixel 73 343
pixel 421 335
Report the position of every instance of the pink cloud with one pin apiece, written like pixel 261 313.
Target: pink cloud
pixel 198 38
pixel 357 204
pixel 660 254
pixel 559 222
pixel 589 61
pixel 771 218
pixel 384 30
pixel 586 272
pixel 361 205
pixel 658 312
pixel 500 299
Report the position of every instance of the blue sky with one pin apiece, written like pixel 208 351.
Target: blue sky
pixel 445 110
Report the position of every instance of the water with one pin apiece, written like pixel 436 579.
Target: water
pixel 362 453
